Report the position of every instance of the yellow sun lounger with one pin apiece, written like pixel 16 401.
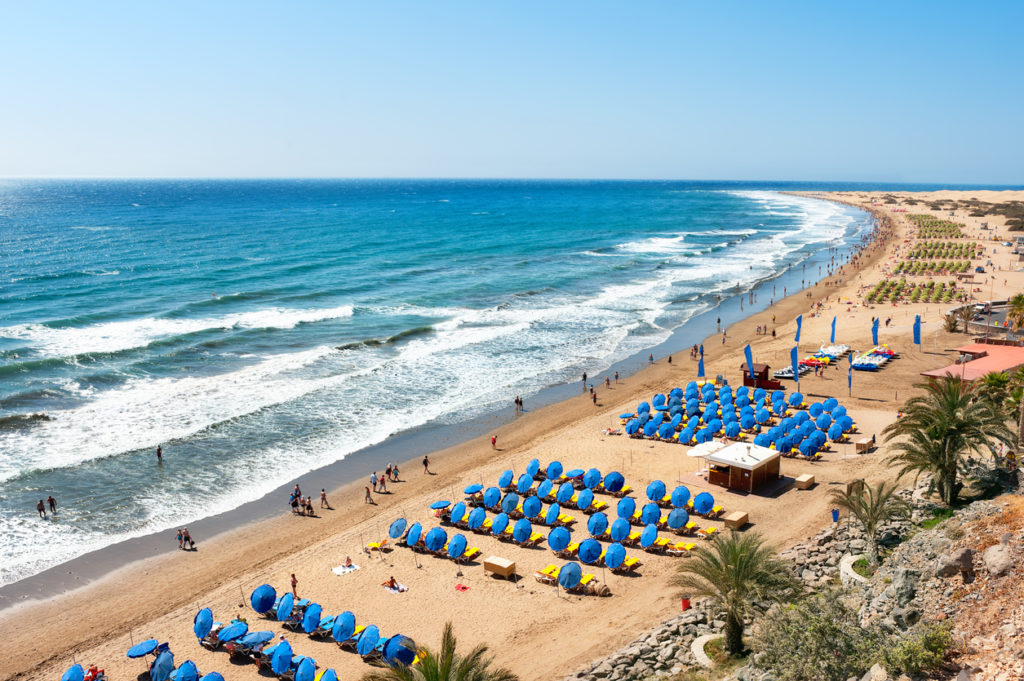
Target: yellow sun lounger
pixel 379 545
pixel 569 551
pixel 709 533
pixel 716 511
pixel 469 555
pixel 681 548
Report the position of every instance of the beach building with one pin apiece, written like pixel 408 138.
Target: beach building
pixel 743 467
pixel 762 377
pixel 978 359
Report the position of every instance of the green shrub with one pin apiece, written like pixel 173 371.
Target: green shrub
pixel 922 652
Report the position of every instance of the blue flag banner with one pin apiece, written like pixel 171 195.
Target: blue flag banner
pixel 799 323
pixel 849 378
pixel 917 329
pixel 793 356
pixel 874 332
pixel 832 339
pixel 750 360
pixel 700 364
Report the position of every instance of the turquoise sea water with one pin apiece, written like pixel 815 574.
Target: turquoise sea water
pixel 261 329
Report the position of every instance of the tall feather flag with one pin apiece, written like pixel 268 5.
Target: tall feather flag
pixel 917 329
pixel 832 339
pixel 700 364
pixel 799 323
pixel 750 361
pixel 874 332
pixel 793 357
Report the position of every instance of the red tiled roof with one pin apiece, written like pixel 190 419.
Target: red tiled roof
pixel 993 358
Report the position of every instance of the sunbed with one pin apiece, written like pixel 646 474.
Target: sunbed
pixel 569 552
pixel 716 511
pixel 565 520
pixel 628 565
pixel 548 575
pixel 708 533
pixel 659 546
pixel 584 584
pixel 382 545
pixel 471 553
pixel 350 642
pixel 680 548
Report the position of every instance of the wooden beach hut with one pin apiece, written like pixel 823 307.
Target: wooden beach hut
pixel 743 467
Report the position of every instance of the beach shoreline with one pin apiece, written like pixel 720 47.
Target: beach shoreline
pixel 164 590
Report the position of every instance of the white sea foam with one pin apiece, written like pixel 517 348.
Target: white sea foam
pixel 134 333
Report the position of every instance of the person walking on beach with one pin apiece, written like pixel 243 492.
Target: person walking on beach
pixel 181 538
pixel 650 358
pixel 53 504
pixel 584 380
pixel 323 499
pixel 368 498
pixel 186 538
pixel 426 465
pixel 387 471
pixel 494 442
pixel 295 584
pixel 616 376
pixel 394 473
pixel 297 492
pixel 607 382
pixel 373 481
pixel 382 485
pixel 593 396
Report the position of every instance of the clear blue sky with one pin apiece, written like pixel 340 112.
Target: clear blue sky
pixel 900 91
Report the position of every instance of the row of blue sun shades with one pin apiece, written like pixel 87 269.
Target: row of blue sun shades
pixel 397 649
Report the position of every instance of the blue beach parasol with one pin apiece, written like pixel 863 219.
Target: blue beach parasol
pixel 648 536
pixel 597 524
pixel 329 675
pixel 521 531
pixel 510 503
pixel 458 513
pixel 815 410
pixel 703 502
pixel 584 499
pixel 397 528
pixel 680 495
pixel 412 537
pixel 620 529
pixel 677 518
pixel 438 505
pixel 491 497
pixel 476 518
pixel 559 538
pixel 344 627
pixel 590 550
pixel 281 660
pixel 505 479
pixel 311 618
pixel 163 667
pixel 202 623
pixel 186 672
pixel 457 546
pixel 399 650
pixel 626 507
pixel 143 648
pixel 236 630
pixel 544 488
pixel 570 575
pixel 551 515
pixel 592 478
pixel 632 427
pixel 368 640
pixel 306 671
pixel 554 470
pixel 524 484
pixel 533 468
pixel 212 676
pixel 651 513
pixel 565 492
pixel 74 673
pixel 284 608
pixel 473 489
pixel 435 539
pixel 613 482
pixel 614 556
pixel 531 507
pixel 499 524
pixel 574 473
pixel 255 638
pixel 626 416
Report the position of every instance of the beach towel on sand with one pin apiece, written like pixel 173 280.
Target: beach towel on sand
pixel 342 570
pixel 398 589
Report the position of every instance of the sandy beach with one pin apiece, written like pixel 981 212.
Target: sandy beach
pixel 532 629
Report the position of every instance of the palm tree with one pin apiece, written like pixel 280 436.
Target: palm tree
pixel 734 572
pixel 941 428
pixel 1015 315
pixel 445 665
pixel 872 506
pixel 965 314
pixel 995 387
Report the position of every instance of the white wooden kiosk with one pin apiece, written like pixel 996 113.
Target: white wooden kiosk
pixel 742 466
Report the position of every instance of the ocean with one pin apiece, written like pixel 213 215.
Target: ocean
pixel 259 330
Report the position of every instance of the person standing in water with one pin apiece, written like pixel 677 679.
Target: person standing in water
pixel 53 504
pixel 159 455
pixel 41 507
